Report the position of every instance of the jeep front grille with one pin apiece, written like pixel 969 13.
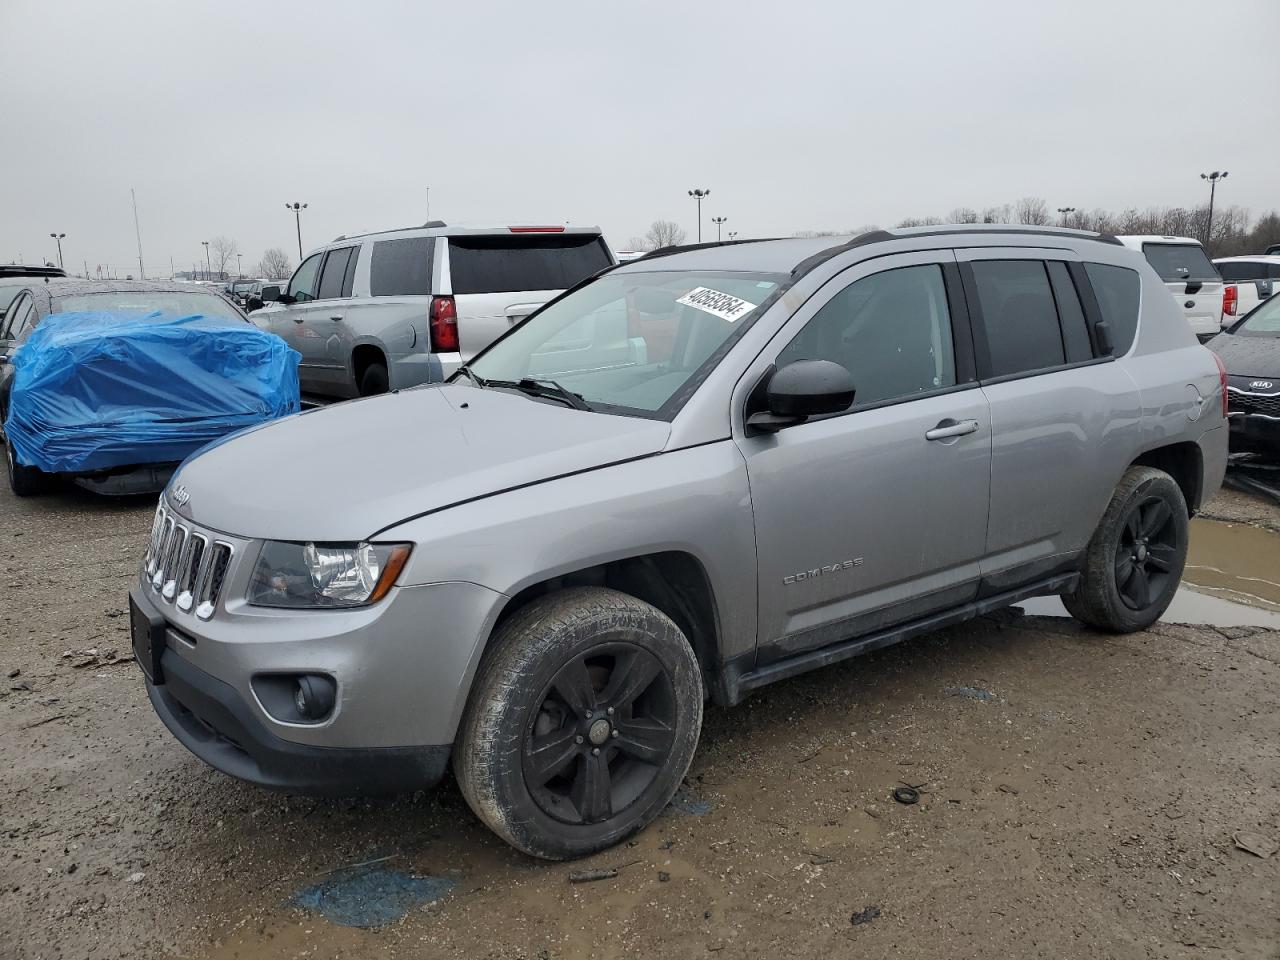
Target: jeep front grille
pixel 185 565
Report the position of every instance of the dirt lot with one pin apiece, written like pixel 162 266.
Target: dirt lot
pixel 1079 798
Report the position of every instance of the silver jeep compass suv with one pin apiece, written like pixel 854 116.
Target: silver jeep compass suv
pixel 698 472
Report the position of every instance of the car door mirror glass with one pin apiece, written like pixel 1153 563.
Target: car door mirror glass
pixel 803 389
pixel 1102 334
pixel 270 293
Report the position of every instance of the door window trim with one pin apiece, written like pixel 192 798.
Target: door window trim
pixel 347 274
pixel 1088 304
pixel 962 339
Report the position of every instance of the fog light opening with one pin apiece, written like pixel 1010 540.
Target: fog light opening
pixel 313 697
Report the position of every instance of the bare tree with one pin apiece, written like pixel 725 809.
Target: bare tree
pixel 1000 214
pixel 963 215
pixel 920 222
pixel 637 243
pixel 222 250
pixel 1032 211
pixel 275 264
pixel 664 233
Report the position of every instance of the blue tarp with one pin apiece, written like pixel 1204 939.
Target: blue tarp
pixel 93 391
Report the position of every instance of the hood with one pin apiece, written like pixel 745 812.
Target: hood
pixel 345 472
pixel 1248 356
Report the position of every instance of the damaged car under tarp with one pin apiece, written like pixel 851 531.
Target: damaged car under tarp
pixel 116 400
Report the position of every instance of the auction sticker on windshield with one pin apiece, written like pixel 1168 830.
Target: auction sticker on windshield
pixel 722 305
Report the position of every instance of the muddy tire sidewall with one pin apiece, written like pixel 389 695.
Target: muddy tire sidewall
pixel 527 652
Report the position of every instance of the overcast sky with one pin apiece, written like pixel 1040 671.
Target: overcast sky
pixel 796 115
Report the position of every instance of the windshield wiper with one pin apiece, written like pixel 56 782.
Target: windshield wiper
pixel 477 380
pixel 543 387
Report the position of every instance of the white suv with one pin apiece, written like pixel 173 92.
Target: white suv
pixel 1185 269
pixel 395 309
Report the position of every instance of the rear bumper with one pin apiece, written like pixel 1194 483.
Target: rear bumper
pixel 212 720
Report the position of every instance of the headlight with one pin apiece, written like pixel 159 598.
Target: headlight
pixel 325 574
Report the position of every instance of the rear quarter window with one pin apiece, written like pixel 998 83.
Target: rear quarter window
pixel 1117 292
pixel 401 268
pixel 1237 270
pixel 507 264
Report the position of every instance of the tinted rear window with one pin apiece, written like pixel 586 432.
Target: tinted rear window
pixel 1180 261
pixel 401 268
pixel 1116 289
pixel 1019 316
pixel 506 264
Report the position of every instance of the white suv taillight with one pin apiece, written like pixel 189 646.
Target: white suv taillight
pixel 1230 296
pixel 444 325
pixel 1222 380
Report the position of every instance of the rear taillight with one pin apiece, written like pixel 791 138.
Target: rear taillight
pixel 1222 380
pixel 444 325
pixel 1230 295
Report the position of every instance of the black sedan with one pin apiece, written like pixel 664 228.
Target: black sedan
pixel 1250 349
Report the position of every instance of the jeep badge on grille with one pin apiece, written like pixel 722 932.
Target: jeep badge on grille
pixel 181 495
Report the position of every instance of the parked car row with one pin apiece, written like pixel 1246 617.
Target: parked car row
pixel 689 476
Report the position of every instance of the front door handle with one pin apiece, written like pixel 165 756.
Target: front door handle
pixel 335 319
pixel 298 319
pixel 949 428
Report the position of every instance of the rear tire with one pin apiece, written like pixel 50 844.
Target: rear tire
pixel 1134 562
pixel 23 481
pixel 374 380
pixel 583 720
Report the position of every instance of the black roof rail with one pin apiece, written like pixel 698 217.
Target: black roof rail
pixel 429 225
pixel 687 247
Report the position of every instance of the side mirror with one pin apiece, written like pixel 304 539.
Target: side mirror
pixel 803 389
pixel 270 294
pixel 253 303
pixel 1102 335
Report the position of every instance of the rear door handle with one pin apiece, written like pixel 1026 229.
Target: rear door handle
pixel 335 319
pixel 949 428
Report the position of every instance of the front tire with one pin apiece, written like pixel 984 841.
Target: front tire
pixel 582 723
pixel 23 481
pixel 1134 562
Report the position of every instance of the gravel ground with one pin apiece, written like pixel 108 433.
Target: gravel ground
pixel 1079 796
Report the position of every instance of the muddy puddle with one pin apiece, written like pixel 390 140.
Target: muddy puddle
pixel 1232 579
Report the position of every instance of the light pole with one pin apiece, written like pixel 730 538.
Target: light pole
pixel 733 235
pixel 1213 179
pixel 208 266
pixel 59 238
pixel 699 195
pixel 718 221
pixel 1064 211
pixel 239 271
pixel 297 209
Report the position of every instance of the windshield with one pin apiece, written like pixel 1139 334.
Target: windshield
pixel 631 342
pixel 1185 262
pixel 243 287
pixel 1264 321
pixel 149 301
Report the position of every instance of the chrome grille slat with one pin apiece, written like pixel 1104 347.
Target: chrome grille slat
pixel 190 570
pixel 173 562
pixel 214 578
pixel 166 537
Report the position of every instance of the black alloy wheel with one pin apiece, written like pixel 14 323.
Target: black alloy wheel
pixel 603 731
pixel 1147 553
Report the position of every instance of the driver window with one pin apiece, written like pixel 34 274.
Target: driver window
pixel 9 320
pixel 891 331
pixel 303 285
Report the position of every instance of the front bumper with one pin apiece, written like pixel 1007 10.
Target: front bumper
pixel 1251 433
pixel 402 670
pixel 213 721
